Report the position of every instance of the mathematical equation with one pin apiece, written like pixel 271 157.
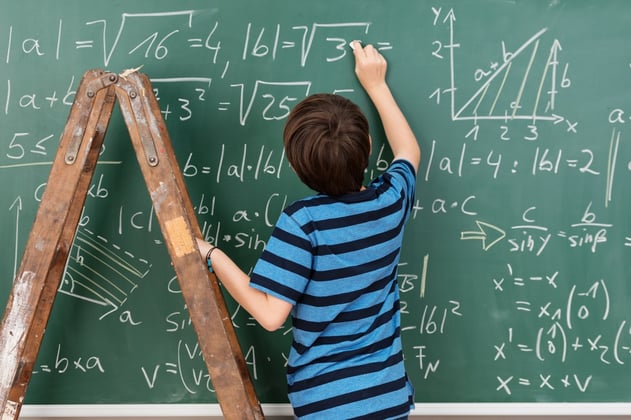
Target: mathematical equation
pixel 166 36
pixel 156 35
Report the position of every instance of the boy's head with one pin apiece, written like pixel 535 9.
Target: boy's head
pixel 327 143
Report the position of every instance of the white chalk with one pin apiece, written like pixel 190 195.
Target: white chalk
pixel 352 44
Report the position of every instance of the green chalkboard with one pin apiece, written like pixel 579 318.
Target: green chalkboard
pixel 515 271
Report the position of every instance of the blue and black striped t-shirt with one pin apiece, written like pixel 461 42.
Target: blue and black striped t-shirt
pixel 335 259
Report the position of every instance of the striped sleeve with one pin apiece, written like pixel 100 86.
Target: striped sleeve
pixel 287 256
pixel 404 178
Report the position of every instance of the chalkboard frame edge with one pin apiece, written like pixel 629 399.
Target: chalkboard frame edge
pixel 421 410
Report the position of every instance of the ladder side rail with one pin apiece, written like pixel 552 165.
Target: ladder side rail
pixel 210 317
pixel 50 240
pixel 238 363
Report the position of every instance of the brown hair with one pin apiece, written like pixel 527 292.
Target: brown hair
pixel 327 143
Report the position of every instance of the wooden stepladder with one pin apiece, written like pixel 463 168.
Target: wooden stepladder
pixel 49 243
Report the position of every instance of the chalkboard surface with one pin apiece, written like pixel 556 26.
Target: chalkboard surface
pixel 515 271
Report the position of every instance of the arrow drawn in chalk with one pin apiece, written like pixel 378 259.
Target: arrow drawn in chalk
pixel 487 233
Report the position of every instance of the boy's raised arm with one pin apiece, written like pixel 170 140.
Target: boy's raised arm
pixel 370 68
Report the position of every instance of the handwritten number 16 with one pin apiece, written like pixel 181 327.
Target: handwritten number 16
pixel 160 51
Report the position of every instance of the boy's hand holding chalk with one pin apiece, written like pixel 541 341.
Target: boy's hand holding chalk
pixel 370 66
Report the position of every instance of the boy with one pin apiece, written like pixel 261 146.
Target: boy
pixel 332 258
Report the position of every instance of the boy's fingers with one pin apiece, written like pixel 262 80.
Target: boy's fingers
pixel 369 52
pixel 356 46
pixel 372 51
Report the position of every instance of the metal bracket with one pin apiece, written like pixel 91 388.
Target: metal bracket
pixel 102 81
pixel 132 97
